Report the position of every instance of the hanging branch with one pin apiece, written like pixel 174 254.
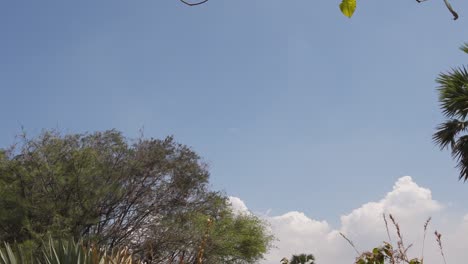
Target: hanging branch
pixel 447 4
pixel 194 4
pixel 449 7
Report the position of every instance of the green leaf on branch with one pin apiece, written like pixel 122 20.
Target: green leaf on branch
pixel 348 7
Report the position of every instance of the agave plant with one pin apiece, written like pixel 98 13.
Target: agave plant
pixel 14 256
pixel 67 252
pixel 71 252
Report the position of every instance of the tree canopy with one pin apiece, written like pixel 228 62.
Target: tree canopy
pixel 453 98
pixel 149 194
pixel 299 259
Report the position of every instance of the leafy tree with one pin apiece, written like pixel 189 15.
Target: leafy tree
pixel 237 239
pixel 228 238
pixel 148 194
pixel 303 259
pixel 453 98
pixel 300 259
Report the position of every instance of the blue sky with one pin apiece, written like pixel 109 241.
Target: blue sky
pixel 293 106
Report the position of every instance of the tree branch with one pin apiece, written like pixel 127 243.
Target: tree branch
pixel 455 15
pixel 194 4
pixel 447 4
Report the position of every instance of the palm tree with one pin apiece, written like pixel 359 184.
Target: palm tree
pixel 302 259
pixel 453 98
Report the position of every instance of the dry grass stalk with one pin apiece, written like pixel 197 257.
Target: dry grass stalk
pixel 386 227
pixel 439 242
pixel 426 224
pixel 401 246
pixel 398 255
pixel 351 243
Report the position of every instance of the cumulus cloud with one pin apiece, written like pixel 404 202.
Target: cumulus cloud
pixel 238 206
pixel 411 205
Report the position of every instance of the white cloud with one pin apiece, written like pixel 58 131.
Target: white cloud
pixel 238 206
pixel 409 203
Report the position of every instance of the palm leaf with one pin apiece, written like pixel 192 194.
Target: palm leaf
pixel 464 48
pixel 460 153
pixel 447 132
pixel 453 91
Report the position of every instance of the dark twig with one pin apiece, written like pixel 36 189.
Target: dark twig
pixel 449 7
pixel 193 4
pixel 386 227
pixel 351 243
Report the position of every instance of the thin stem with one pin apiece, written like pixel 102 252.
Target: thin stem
pixel 439 241
pixel 450 8
pixel 351 243
pixel 424 237
pixel 194 4
pixel 386 227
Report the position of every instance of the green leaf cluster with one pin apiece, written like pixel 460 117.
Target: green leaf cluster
pixel 453 98
pixel 378 255
pixel 237 239
pixel 300 259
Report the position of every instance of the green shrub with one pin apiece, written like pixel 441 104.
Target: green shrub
pixel 390 254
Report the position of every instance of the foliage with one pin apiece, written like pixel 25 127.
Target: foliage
pixel 227 238
pixel 385 254
pixel 299 259
pixel 14 255
pixel 147 194
pixel 237 239
pixel 390 254
pixel 66 252
pixel 453 98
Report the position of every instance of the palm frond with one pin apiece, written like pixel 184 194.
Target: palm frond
pixel 453 91
pixel 303 259
pixel 460 153
pixel 447 132
pixel 464 47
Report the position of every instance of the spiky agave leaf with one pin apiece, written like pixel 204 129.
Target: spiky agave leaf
pixel 15 253
pixel 68 252
pixel 7 256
